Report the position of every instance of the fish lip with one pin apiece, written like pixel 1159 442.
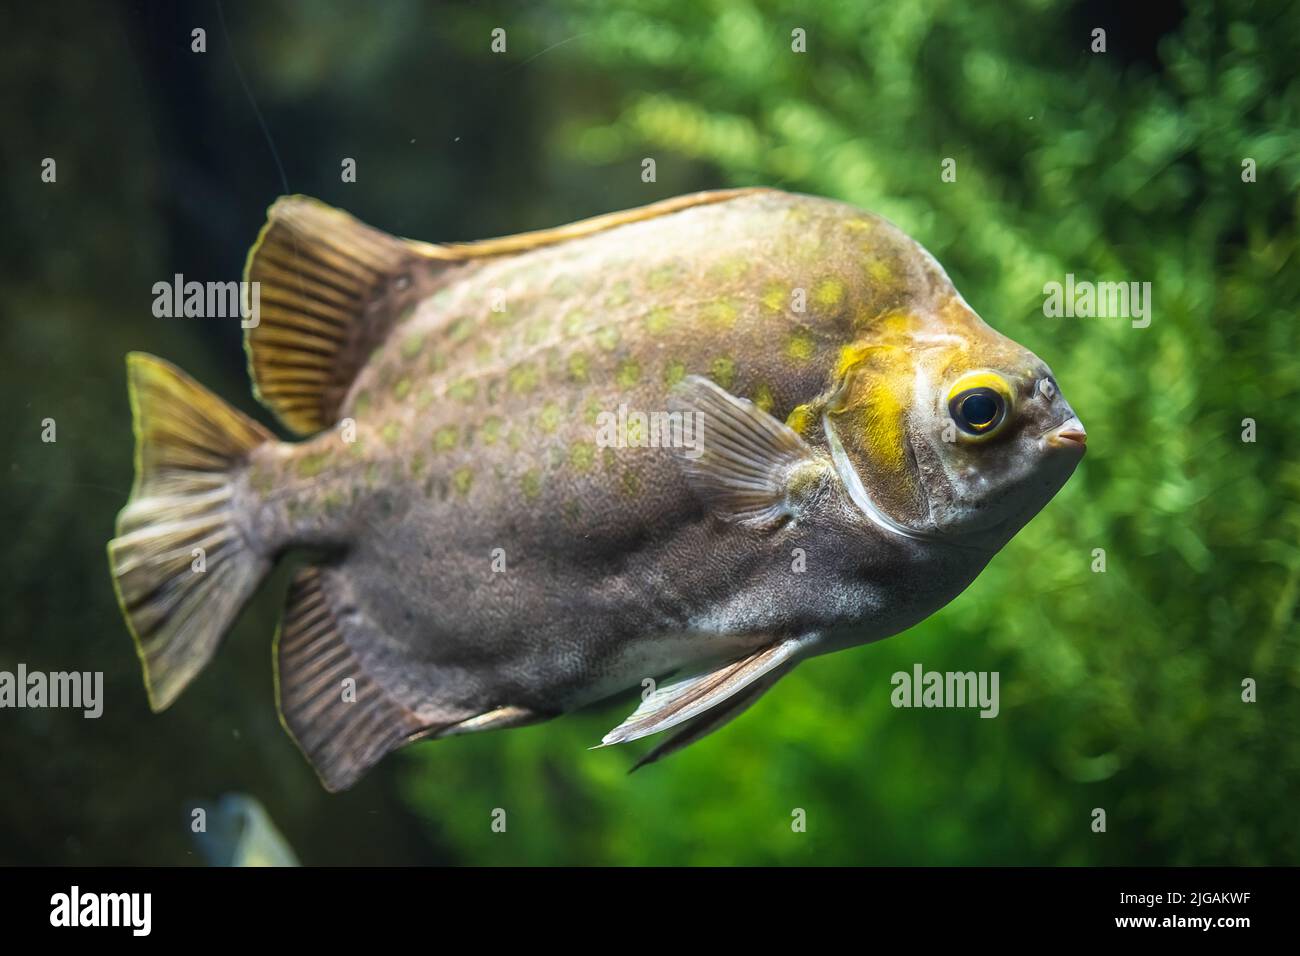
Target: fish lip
pixel 1069 434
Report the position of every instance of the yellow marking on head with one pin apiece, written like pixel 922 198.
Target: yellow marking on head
pixel 829 292
pixel 800 418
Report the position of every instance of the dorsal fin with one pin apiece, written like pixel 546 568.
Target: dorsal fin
pixel 330 288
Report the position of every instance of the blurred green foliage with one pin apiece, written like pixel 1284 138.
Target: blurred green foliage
pixel 1120 690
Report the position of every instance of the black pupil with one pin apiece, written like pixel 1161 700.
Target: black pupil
pixel 979 409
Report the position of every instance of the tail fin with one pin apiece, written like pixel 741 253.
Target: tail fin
pixel 181 567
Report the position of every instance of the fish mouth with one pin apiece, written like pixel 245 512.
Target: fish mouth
pixel 1069 434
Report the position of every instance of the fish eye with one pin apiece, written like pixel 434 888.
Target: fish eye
pixel 979 404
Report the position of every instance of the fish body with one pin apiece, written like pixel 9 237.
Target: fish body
pixel 709 438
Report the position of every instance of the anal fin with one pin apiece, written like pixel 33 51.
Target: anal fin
pixel 342 728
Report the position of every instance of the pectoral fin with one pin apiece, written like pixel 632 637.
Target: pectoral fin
pixel 682 700
pixel 746 466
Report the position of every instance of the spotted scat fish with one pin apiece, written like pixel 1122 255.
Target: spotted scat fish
pixel 696 442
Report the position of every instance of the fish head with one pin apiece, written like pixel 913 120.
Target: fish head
pixel 948 430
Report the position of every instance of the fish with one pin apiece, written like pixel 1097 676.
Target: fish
pixel 239 832
pixel 681 447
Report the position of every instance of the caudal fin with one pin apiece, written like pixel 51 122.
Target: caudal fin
pixel 181 567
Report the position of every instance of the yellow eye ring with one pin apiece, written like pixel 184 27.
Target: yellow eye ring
pixel 979 404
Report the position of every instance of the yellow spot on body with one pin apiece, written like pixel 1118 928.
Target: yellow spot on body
pixel 631 483
pixel 412 345
pixel 775 298
pixel 674 372
pixel 460 330
pixel 445 438
pixel 607 338
pixel 574 322
pixel 662 276
pixel 591 414
pixel 362 405
pixel 829 292
pixel 309 466
pixel 491 430
pixel 721 312
pixel 523 379
pixel 418 461
pixel 549 420
pixel 732 268
pixel 860 225
pixel 578 367
pixel 514 439
pixel 618 295
pixel 800 418
pixel 723 371
pixel 581 455
pixel 402 388
pixel 658 320
pixel 461 479
pixel 531 483
pixel 629 373
pixel 763 397
pixel 800 346
pixel 392 433
pixel 880 271
pixel 464 390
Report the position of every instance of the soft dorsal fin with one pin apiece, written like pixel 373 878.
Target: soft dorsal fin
pixel 330 288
